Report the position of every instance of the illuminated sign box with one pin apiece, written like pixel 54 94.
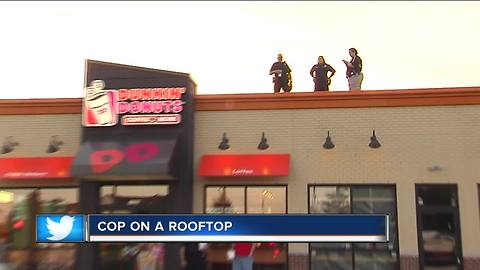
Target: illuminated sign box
pixel 138 106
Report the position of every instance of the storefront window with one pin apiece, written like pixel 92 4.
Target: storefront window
pixel 225 200
pixel 248 200
pixel 148 199
pixel 266 200
pixel 356 200
pixel 18 208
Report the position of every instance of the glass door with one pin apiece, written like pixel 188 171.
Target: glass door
pixel 137 199
pixel 438 228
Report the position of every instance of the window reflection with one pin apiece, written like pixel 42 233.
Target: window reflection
pixel 266 200
pixel 357 200
pixel 329 200
pixel 225 200
pixel 331 258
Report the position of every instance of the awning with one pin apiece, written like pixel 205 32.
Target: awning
pixel 125 159
pixel 35 167
pixel 245 165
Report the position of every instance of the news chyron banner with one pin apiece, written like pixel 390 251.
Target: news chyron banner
pixel 212 228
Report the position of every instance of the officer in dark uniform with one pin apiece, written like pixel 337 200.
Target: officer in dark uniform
pixel 282 78
pixel 319 72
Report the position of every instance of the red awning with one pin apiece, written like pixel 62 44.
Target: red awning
pixel 245 165
pixel 35 167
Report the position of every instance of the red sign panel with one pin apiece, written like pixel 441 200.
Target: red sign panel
pixel 245 165
pixel 35 167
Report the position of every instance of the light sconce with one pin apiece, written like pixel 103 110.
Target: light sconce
pixel 224 143
pixel 434 168
pixel 54 145
pixel 9 145
pixel 328 142
pixel 374 143
pixel 263 143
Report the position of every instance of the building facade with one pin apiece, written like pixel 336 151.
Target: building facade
pixel 423 173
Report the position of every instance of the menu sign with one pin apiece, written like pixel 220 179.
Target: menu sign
pixel 137 106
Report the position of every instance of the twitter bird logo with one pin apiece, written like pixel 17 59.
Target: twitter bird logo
pixel 60 228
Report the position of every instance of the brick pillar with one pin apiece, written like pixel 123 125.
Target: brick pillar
pixel 471 263
pixel 409 263
pixel 298 262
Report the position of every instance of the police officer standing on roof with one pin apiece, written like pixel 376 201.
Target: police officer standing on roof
pixel 282 78
pixel 319 72
pixel 354 70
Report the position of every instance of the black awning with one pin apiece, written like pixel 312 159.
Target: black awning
pixel 123 159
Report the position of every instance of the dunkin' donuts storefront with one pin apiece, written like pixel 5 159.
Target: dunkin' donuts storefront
pixel 410 153
pixel 135 155
pixel 125 148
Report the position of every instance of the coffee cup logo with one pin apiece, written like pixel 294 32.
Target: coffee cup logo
pixel 99 105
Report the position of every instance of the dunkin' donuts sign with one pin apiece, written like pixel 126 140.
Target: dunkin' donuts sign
pixel 139 106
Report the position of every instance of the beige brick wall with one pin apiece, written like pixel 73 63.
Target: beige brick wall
pixel 33 132
pixel 412 138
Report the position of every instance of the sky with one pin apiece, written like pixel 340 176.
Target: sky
pixel 229 47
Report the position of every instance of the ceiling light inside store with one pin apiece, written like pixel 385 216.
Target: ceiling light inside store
pixel 6 197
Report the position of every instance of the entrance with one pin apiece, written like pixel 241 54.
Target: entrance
pixel 123 199
pixel 438 227
pixel 251 199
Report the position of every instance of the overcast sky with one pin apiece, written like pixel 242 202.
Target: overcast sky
pixel 228 47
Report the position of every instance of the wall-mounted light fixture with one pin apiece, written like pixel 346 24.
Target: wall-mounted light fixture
pixel 328 142
pixel 374 143
pixel 224 143
pixel 434 168
pixel 263 143
pixel 54 145
pixel 9 145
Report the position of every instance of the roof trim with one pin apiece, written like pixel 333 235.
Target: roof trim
pixel 295 100
pixel 340 99
pixel 40 106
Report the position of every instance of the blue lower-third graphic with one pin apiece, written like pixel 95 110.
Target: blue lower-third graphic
pixel 60 228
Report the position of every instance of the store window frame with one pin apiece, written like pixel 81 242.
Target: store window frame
pixel 394 186
pixel 442 209
pixel 246 186
pixel 115 186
